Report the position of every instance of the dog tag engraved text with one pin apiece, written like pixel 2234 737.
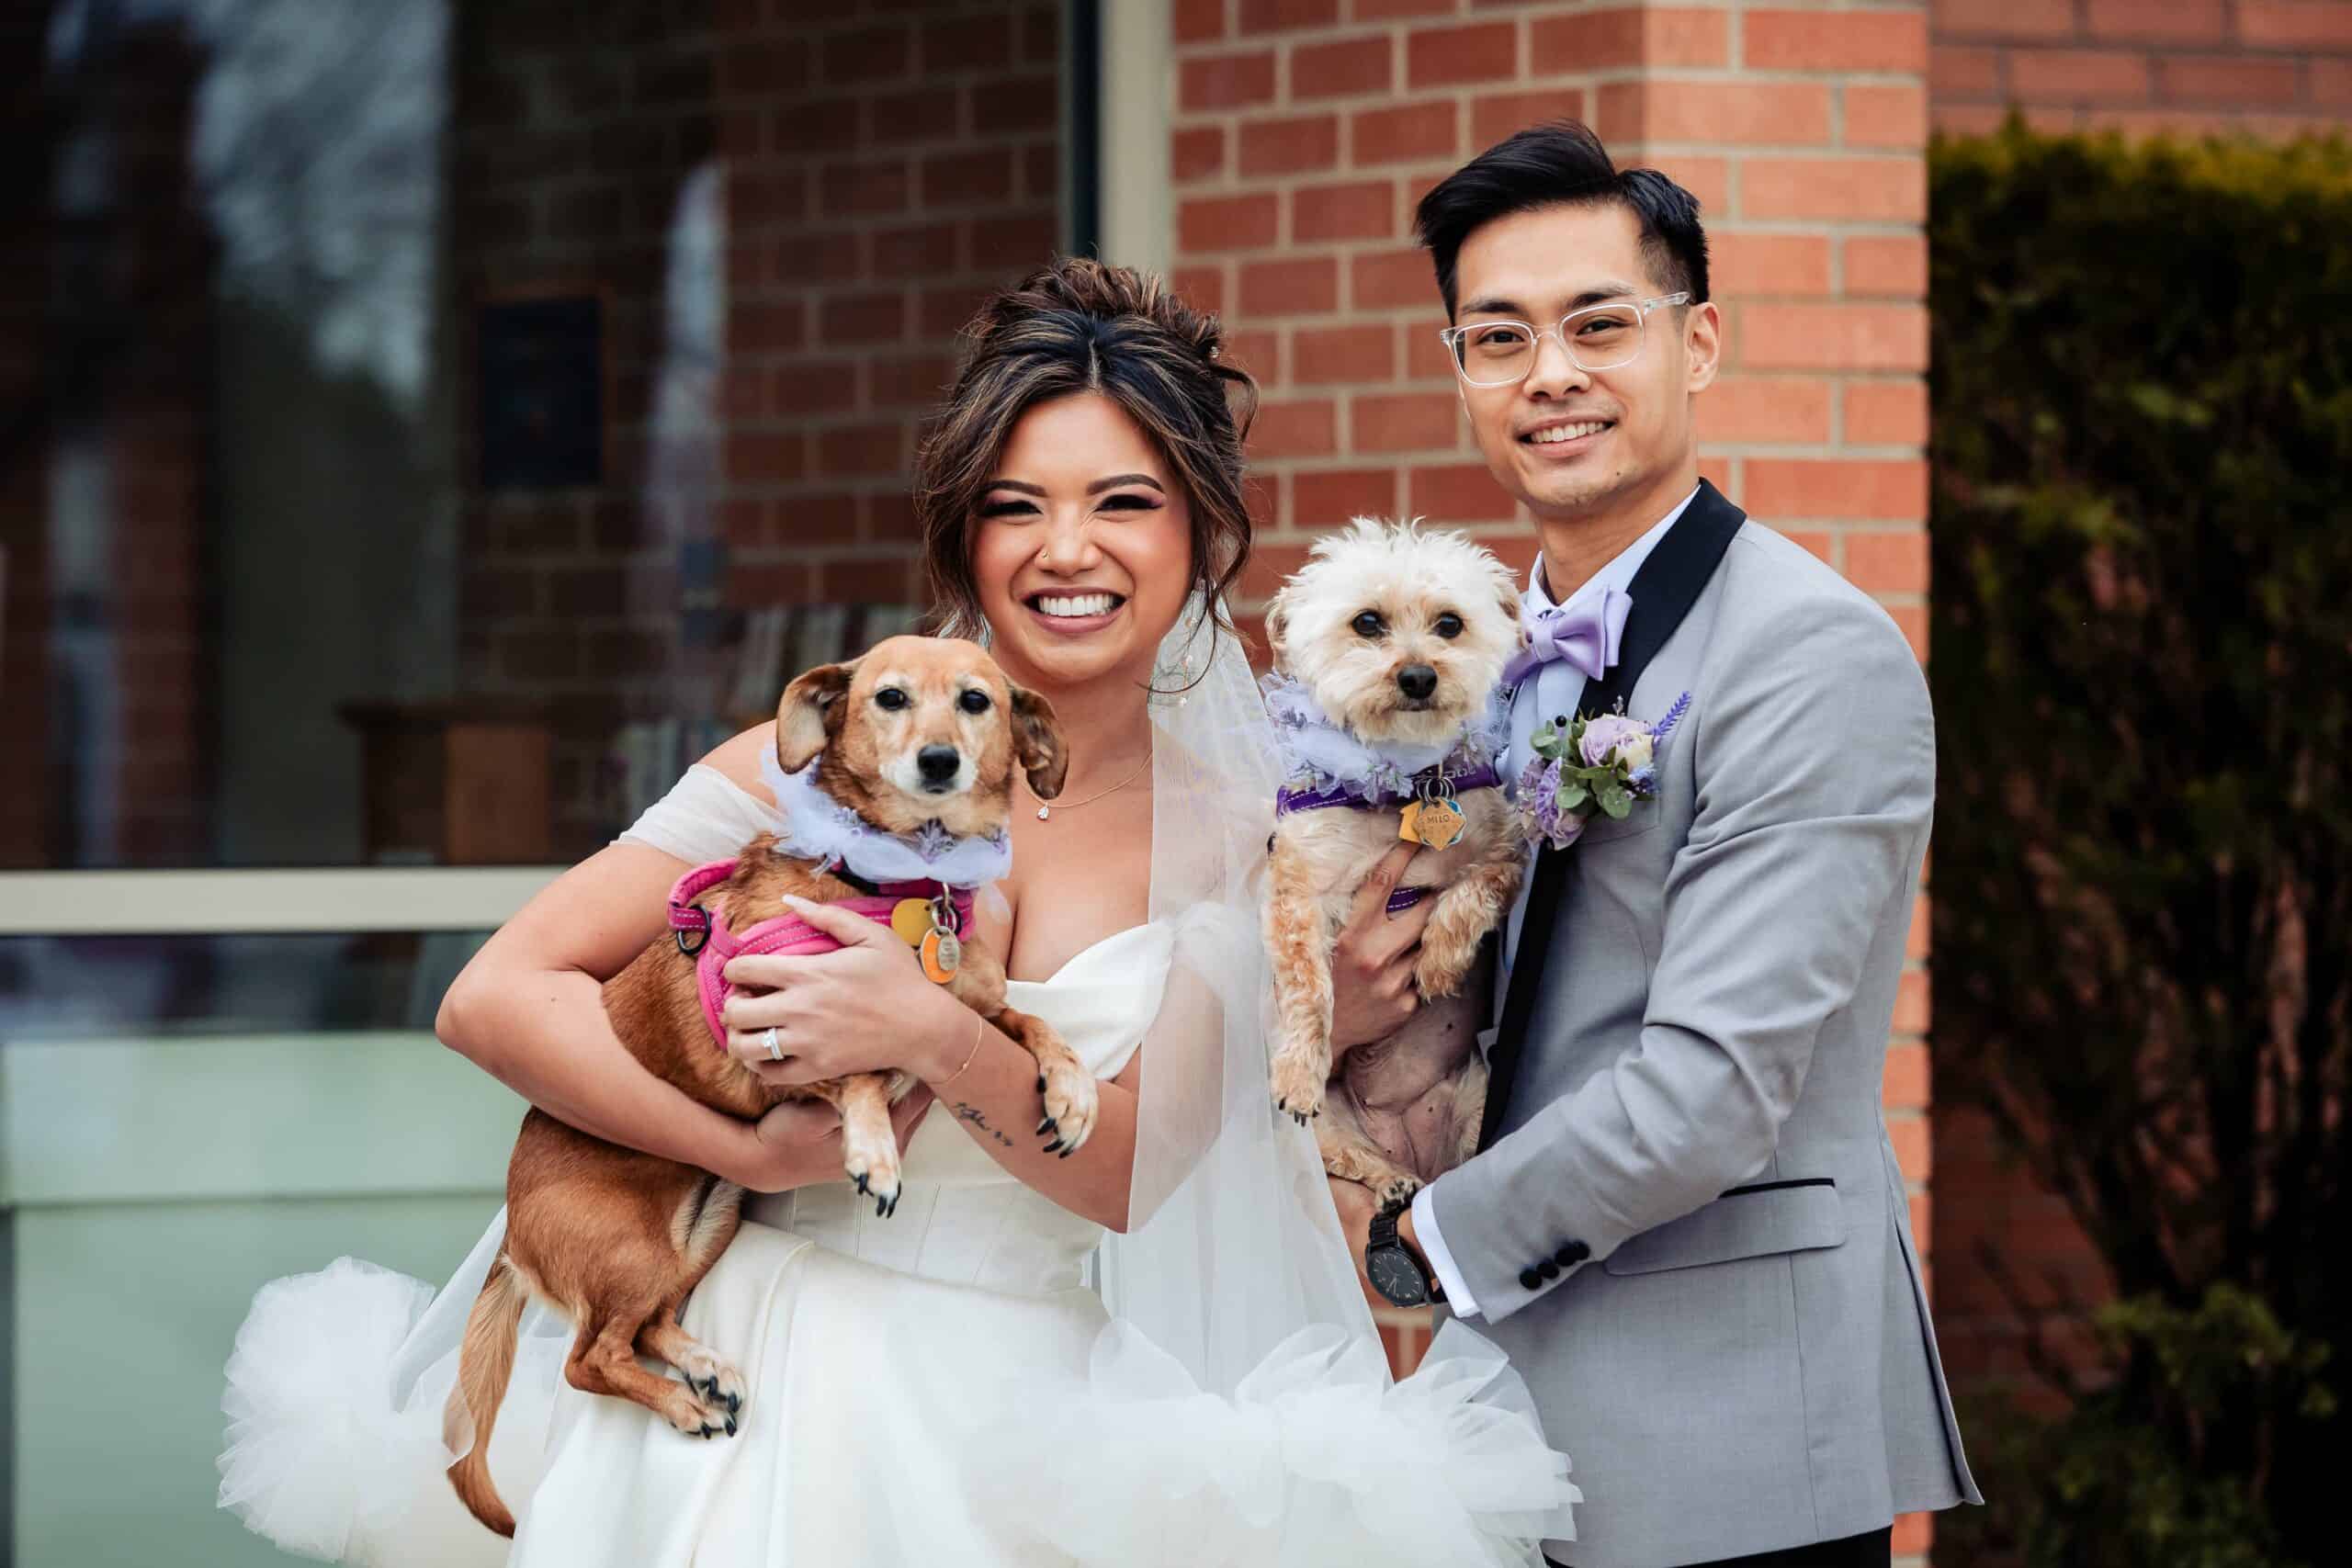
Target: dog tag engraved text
pixel 942 955
pixel 1437 824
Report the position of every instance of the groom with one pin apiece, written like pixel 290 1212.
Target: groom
pixel 1686 1223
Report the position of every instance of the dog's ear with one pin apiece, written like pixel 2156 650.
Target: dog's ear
pixel 810 713
pixel 1037 743
pixel 1277 622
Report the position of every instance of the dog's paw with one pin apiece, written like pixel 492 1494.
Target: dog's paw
pixel 720 1386
pixel 1073 1100
pixel 697 1416
pixel 1297 1087
pixel 1398 1189
pixel 1437 975
pixel 873 1164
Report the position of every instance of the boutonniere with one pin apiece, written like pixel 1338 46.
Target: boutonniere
pixel 1603 763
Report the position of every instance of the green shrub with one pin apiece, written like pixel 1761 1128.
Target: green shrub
pixel 2142 654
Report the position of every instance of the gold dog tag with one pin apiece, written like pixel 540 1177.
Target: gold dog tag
pixel 1435 824
pixel 942 955
pixel 911 918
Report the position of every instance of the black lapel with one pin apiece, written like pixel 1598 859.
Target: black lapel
pixel 1663 591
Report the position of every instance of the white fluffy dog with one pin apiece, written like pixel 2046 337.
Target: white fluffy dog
pixel 1389 648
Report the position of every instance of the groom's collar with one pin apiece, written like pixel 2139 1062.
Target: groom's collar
pixel 1617 574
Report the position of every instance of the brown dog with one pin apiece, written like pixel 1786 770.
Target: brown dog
pixel 920 730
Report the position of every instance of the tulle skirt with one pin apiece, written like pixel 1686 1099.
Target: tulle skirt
pixel 891 1419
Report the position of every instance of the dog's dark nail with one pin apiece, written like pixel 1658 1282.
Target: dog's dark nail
pixel 1046 1124
pixel 1066 1153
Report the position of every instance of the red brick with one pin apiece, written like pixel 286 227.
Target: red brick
pixel 2079 76
pixel 2332 81
pixel 1420 352
pixel 1015 104
pixel 1744 409
pixel 2171 21
pixel 1905 1085
pixel 1331 496
pixel 1888 563
pixel 886 579
pixel 1819 545
pixel 1305 429
pixel 870 450
pixel 1886 413
pixel 1751 112
pixel 1835 41
pixel 1912 1147
pixel 1343 68
pixel 952 44
pixel 1041 171
pixel 1439 57
pixel 1198 21
pixel 757 199
pixel 1407 422
pixel 1966 119
pixel 1389 10
pixel 1890 266
pixel 1269 565
pixel 1277 16
pixel 1227 81
pixel 1496 116
pixel 862 318
pixel 1953 70
pixel 1914 1533
pixel 1324 356
pixel 911 383
pixel 1196 154
pixel 1885 116
pixel 1460 493
pixel 811 385
pixel 1707 179
pixel 1913 621
pixel 1380 281
pixel 1780 487
pixel 965 179
pixel 1289 146
pixel 2003 19
pixel 2296 24
pixel 1869 189
pixel 931 248
pixel 1746 265
pixel 1227 223
pixel 1290 286
pixel 2230 82
pixel 1400 135
pixel 1015 243
pixel 1631 34
pixel 1202 288
pixel 1257 353
pixel 1363 211
pixel 866 54
pixel 766 326
pixel 763 456
pixel 865 189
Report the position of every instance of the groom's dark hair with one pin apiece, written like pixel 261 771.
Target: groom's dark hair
pixel 1563 163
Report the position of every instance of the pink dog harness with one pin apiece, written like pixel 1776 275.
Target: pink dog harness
pixel 710 944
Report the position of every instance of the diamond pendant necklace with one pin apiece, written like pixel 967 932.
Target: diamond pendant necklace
pixel 1045 809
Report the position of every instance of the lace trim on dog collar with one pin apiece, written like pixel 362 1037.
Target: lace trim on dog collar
pixel 819 828
pixel 1326 756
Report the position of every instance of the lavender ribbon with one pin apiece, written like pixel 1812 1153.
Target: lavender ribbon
pixel 1585 635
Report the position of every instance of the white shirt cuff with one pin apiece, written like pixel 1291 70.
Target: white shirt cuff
pixel 1449 1279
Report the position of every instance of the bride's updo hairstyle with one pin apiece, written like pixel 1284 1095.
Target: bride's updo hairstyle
pixel 1080 326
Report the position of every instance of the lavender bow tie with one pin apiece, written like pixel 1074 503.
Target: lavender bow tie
pixel 1585 635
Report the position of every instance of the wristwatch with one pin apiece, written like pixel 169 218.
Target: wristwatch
pixel 1400 1276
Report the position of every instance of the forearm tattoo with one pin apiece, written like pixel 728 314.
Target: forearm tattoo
pixel 972 1113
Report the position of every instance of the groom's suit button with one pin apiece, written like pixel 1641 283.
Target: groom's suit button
pixel 1571 1254
pixel 1528 1279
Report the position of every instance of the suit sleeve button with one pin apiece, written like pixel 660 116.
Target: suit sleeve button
pixel 1549 1269
pixel 1528 1279
pixel 1571 1254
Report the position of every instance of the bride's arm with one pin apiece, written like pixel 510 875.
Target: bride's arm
pixel 528 1009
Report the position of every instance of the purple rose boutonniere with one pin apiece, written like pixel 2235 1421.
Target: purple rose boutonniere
pixel 1603 763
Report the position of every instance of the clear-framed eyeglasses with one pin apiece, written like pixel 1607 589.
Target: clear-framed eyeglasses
pixel 1600 337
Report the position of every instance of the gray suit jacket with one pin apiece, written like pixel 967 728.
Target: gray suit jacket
pixel 1692 1235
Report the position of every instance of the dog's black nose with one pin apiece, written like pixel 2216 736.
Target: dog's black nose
pixel 1416 680
pixel 938 763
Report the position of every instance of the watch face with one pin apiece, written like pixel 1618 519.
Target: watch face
pixel 1396 1276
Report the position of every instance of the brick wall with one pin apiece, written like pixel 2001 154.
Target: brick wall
pixel 2271 68
pixel 1306 129
pixel 878 176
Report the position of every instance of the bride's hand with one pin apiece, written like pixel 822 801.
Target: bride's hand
pixel 798 1143
pixel 1372 967
pixel 865 1009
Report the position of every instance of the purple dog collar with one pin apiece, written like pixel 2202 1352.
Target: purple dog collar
pixel 1287 800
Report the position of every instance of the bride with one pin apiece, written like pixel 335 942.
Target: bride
pixel 1153 1348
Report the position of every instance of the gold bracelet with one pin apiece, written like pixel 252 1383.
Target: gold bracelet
pixel 979 1029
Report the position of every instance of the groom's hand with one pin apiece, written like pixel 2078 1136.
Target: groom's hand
pixel 1372 966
